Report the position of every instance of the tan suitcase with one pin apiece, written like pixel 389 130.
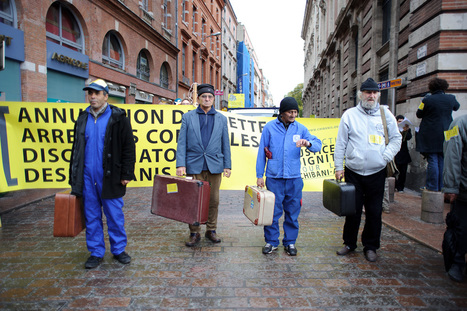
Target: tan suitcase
pixel 258 205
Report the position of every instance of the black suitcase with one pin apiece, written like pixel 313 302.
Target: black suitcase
pixel 339 197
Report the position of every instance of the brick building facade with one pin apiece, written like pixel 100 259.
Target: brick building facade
pixel 200 44
pixel 129 43
pixel 347 42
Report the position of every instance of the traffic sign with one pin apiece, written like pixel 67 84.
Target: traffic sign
pixel 390 84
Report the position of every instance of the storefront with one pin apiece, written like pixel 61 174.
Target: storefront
pixel 10 76
pixel 67 71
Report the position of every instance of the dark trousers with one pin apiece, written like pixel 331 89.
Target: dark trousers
pixel 400 181
pixel 459 208
pixel 369 192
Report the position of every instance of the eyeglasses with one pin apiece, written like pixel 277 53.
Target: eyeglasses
pixel 207 96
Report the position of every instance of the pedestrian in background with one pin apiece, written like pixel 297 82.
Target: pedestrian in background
pixel 435 111
pixel 361 145
pixel 279 148
pixel 186 101
pixel 102 164
pixel 455 190
pixel 203 152
pixel 403 158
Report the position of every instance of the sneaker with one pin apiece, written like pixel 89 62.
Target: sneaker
pixel 291 250
pixel 401 191
pixel 386 210
pixel 123 258
pixel 92 262
pixel 268 248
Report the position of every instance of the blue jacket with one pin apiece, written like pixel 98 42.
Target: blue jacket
pixel 285 161
pixel 191 152
pixel 118 156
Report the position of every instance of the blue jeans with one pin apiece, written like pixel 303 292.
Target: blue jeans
pixel 434 171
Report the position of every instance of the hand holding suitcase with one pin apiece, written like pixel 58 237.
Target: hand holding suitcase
pixel 339 197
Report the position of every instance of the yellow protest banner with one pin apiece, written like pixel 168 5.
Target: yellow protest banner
pixel 36 141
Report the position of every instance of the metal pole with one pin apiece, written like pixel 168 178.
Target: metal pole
pixel 195 93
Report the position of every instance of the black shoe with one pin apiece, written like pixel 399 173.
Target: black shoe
pixel 455 273
pixel 92 262
pixel 371 255
pixel 123 258
pixel 268 248
pixel 212 236
pixel 194 239
pixel 344 251
pixel 291 250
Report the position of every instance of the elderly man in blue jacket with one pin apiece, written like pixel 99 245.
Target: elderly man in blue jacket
pixel 203 152
pixel 281 141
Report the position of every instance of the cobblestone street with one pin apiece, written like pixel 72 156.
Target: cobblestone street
pixel 42 272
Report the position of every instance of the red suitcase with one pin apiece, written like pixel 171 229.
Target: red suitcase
pixel 68 215
pixel 181 199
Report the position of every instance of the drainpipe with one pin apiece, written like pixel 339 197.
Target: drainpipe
pixel 176 45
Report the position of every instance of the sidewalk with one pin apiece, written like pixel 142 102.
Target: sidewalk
pixel 404 216
pixel 42 272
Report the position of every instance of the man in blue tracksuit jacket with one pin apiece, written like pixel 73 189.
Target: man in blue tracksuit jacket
pixel 280 144
pixel 102 164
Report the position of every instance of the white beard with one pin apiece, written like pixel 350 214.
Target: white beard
pixel 368 105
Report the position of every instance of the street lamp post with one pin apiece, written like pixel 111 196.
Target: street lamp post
pixel 216 101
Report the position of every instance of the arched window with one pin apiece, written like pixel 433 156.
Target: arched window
pixel 164 76
pixel 112 52
pixel 7 13
pixel 63 28
pixel 142 67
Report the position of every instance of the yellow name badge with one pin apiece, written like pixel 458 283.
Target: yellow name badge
pixel 172 188
pixel 422 105
pixel 375 139
pixel 451 133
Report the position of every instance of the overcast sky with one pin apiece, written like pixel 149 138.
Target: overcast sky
pixel 275 28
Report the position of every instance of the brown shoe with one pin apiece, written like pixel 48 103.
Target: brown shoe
pixel 194 239
pixel 211 235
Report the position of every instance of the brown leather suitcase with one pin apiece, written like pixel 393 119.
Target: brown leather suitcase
pixel 68 215
pixel 181 199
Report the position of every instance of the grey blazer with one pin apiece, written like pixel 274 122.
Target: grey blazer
pixel 191 152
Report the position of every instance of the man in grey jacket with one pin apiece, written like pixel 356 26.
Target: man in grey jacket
pixel 361 144
pixel 455 188
pixel 203 152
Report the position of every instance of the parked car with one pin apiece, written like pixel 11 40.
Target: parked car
pixel 256 111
